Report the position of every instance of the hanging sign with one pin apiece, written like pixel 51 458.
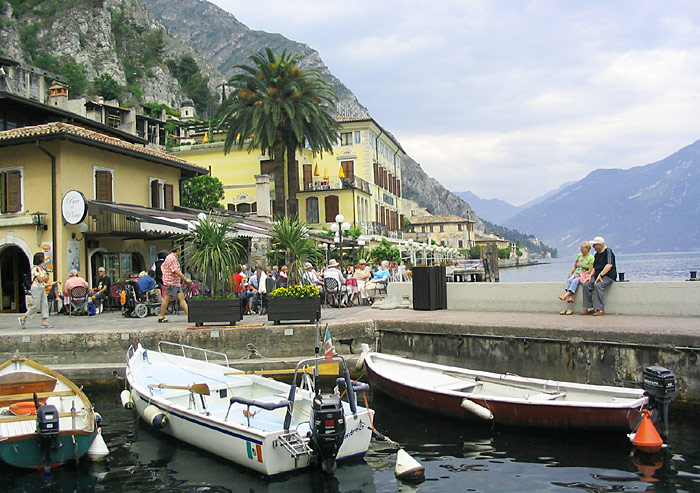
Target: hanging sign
pixel 74 207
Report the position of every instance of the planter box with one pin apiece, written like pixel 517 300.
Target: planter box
pixel 294 309
pixel 215 311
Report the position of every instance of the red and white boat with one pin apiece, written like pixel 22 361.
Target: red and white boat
pixel 506 398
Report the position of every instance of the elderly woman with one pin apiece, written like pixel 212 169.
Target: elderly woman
pixel 580 272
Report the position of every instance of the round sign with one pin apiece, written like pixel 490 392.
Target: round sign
pixel 74 207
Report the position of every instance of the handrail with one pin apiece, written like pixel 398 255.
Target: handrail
pixel 205 352
pixel 129 354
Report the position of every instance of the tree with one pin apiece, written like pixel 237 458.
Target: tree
pixel 106 86
pixel 276 106
pixel 291 236
pixel 202 192
pixel 384 251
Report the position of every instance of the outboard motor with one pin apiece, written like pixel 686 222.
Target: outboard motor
pixel 47 430
pixel 327 429
pixel 660 385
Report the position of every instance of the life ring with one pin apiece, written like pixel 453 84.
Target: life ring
pixel 25 408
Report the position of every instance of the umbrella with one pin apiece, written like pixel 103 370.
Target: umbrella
pixel 316 170
pixel 325 173
pixel 341 173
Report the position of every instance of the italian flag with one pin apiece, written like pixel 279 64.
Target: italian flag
pixel 328 346
pixel 254 451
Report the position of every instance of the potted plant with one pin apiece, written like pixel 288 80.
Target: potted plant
pixel 212 250
pixel 294 303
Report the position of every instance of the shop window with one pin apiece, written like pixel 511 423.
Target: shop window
pixel 332 208
pixel 103 184
pixel 312 210
pixel 11 190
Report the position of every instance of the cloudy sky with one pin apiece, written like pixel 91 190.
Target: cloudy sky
pixel 510 98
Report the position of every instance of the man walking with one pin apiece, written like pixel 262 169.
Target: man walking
pixel 604 274
pixel 172 275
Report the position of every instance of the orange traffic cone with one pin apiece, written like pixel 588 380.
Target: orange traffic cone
pixel 647 439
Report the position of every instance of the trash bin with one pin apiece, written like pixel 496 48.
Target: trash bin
pixel 429 288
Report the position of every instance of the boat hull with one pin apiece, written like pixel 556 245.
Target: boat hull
pixel 26 451
pixel 531 414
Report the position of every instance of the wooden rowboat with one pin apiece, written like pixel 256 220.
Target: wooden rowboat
pixel 505 398
pixel 45 419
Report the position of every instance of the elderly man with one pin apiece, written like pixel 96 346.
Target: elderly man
pixel 73 281
pixel 604 274
pixel 100 292
pixel 310 276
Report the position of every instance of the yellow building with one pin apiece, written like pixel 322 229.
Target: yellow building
pixel 360 179
pixel 125 187
pixel 445 229
pixel 501 243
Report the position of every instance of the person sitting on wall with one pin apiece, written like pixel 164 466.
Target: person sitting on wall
pixel 101 291
pixel 378 282
pixel 603 275
pixel 147 285
pixel 74 281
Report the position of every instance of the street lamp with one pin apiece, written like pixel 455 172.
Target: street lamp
pixel 338 227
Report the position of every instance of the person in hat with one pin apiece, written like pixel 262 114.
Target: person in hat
pixel 333 272
pixel 310 276
pixel 379 281
pixel 603 275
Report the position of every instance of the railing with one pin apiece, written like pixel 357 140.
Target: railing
pixel 339 184
pixel 375 228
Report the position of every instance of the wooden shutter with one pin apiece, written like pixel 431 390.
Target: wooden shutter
pixel 331 208
pixel 169 202
pixel 155 194
pixel 267 167
pixel 307 177
pixel 349 170
pixel 11 187
pixel 401 222
pixel 376 173
pixel 254 207
pixel 398 188
pixel 103 185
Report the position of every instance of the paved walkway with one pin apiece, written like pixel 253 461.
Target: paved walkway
pixel 114 321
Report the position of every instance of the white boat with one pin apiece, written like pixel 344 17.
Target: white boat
pixel 510 399
pixel 45 419
pixel 265 425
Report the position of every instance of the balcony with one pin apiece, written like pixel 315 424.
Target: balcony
pixel 375 228
pixel 339 184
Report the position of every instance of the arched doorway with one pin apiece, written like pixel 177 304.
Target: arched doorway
pixel 14 266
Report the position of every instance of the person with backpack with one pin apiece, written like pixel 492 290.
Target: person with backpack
pixel 40 301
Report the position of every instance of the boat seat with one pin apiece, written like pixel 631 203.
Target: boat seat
pixel 458 386
pixel 544 396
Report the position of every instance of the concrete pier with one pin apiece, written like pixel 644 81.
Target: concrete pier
pixel 601 350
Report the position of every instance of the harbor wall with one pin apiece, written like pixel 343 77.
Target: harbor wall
pixel 673 299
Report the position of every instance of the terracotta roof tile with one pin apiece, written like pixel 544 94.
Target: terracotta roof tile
pixel 56 128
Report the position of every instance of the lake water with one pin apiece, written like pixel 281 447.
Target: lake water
pixel 458 456
pixel 637 267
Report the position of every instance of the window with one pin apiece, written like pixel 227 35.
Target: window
pixel 358 137
pixel 348 169
pixel 243 207
pixel 431 229
pixel 312 210
pixel 11 190
pixel 103 184
pixel 331 208
pixel 346 138
pixel 422 229
pixel 461 244
pixel 460 227
pixel 307 177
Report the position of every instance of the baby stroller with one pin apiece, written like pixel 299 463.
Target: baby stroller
pixel 135 304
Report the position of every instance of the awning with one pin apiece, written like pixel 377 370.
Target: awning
pixel 161 228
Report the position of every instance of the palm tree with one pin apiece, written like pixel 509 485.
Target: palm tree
pixel 274 105
pixel 211 250
pixel 291 236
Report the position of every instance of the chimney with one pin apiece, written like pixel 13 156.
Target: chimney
pixel 262 192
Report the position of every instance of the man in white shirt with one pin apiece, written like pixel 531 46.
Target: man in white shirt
pixel 333 272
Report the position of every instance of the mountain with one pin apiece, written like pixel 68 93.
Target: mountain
pixel 544 197
pixel 647 208
pixel 493 210
pixel 225 42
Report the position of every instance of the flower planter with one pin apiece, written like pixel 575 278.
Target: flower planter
pixel 291 309
pixel 215 311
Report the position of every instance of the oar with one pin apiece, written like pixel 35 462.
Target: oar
pixel 323 369
pixel 197 388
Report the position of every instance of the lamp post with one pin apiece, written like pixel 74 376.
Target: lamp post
pixel 338 227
